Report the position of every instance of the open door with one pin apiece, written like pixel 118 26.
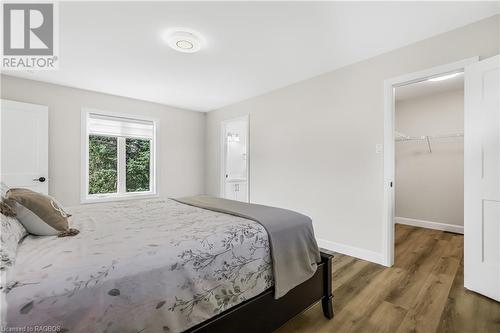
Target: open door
pixel 482 178
pixel 24 145
pixel 235 159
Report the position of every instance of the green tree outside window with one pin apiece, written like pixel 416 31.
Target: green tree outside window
pixel 103 164
pixel 138 155
pixel 103 175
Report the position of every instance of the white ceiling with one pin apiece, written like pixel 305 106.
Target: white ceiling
pixel 426 88
pixel 252 47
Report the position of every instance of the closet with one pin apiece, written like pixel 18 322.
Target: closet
pixel 429 184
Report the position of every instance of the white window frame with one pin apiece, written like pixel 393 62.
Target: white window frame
pixel 121 167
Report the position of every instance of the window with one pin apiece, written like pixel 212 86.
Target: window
pixel 119 156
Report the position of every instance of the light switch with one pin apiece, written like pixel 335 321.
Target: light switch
pixel 379 148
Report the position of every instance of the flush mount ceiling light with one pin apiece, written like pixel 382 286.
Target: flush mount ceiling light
pixel 445 77
pixel 183 40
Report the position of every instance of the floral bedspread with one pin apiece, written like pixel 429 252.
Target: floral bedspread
pixel 143 266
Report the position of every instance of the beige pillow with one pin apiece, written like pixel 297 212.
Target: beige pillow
pixel 7 207
pixel 40 214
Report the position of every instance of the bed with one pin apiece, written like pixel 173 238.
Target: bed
pixel 155 266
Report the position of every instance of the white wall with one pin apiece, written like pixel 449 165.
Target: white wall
pixel 182 134
pixel 430 186
pixel 312 144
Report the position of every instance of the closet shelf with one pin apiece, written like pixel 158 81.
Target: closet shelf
pixel 400 137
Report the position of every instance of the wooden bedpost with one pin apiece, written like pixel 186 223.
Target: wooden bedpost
pixel 326 301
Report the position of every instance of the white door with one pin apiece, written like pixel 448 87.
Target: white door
pixel 482 177
pixel 24 145
pixel 235 159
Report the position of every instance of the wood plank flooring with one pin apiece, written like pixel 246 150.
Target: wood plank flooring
pixel 422 292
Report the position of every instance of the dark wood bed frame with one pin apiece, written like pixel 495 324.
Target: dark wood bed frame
pixel 263 313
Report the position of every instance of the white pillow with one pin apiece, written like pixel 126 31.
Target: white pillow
pixel 12 232
pixel 33 223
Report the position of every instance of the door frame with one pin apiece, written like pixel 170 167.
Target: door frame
pixel 223 144
pixel 389 144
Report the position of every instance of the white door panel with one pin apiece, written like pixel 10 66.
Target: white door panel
pixel 482 178
pixel 24 145
pixel 491 211
pixel 491 135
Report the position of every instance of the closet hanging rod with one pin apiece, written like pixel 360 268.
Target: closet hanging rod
pixel 427 138
pixel 402 137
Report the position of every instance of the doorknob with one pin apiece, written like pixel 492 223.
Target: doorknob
pixel 41 179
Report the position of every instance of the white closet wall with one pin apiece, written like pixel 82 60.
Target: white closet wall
pixel 429 186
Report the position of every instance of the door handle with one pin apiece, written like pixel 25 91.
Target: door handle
pixel 41 179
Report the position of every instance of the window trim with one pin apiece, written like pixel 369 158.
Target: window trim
pixel 155 158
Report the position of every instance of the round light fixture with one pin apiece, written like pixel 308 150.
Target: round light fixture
pixel 183 40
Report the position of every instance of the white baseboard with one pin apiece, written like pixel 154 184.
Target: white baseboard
pixel 352 251
pixel 430 225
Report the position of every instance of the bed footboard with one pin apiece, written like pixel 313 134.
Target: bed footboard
pixel 263 313
pixel 327 300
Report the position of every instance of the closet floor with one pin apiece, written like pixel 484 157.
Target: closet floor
pixel 422 292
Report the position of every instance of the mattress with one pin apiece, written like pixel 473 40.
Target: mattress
pixel 138 266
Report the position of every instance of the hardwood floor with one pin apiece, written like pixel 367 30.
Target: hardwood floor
pixel 422 292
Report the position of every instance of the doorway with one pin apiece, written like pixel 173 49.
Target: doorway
pixel 429 176
pixel 429 154
pixel 481 255
pixel 390 87
pixel 235 159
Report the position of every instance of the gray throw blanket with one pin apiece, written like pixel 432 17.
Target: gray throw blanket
pixel 294 251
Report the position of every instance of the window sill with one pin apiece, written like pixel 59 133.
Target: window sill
pixel 118 197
